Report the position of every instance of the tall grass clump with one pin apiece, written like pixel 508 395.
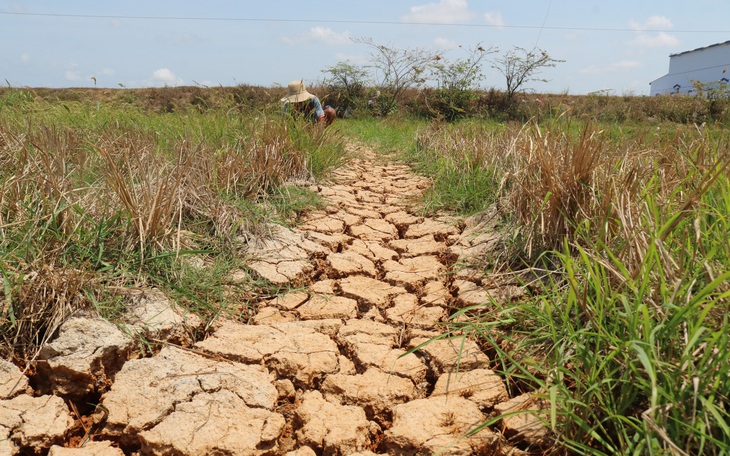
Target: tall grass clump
pixel 97 196
pixel 626 339
pixel 551 185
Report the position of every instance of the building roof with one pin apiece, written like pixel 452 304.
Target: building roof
pixel 700 48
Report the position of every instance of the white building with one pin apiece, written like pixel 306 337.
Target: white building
pixel 706 64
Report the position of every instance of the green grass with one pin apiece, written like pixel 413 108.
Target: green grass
pixel 456 157
pixel 292 201
pixel 391 135
pixel 624 372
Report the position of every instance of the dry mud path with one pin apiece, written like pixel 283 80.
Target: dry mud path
pixel 339 365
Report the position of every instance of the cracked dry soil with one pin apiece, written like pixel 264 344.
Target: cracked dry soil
pixel 338 366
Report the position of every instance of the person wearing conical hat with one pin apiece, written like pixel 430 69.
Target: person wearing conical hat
pixel 298 100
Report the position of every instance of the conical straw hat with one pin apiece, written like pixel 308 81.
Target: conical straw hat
pixel 296 92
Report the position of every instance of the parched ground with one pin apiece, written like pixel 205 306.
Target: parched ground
pixel 346 363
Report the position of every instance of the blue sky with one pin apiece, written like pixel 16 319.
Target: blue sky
pixel 618 46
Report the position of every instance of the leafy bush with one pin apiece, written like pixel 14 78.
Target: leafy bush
pixel 348 83
pixel 457 82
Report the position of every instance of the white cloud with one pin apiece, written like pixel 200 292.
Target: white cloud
pixel 166 77
pixel 623 65
pixel 322 35
pixel 443 43
pixel 443 12
pixel 494 18
pixel 661 39
pixel 25 58
pixel 645 38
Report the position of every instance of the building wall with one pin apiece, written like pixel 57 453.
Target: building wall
pixel 707 64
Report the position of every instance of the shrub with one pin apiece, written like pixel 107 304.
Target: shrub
pixel 456 82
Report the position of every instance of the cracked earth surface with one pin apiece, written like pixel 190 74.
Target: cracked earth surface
pixel 343 364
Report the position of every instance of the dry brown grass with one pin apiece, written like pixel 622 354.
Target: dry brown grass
pixel 627 327
pixel 41 301
pixel 148 188
pixel 87 202
pixel 608 196
pixel 553 183
pixel 572 182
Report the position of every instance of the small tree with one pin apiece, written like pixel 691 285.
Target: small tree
pixel 349 82
pixel 394 71
pixel 457 81
pixel 520 66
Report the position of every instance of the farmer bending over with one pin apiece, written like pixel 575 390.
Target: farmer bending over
pixel 298 100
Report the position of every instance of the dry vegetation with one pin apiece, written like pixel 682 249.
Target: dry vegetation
pixel 488 104
pixel 97 192
pixel 626 332
pixel 625 201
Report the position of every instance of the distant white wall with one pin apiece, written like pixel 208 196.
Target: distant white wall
pixel 707 64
